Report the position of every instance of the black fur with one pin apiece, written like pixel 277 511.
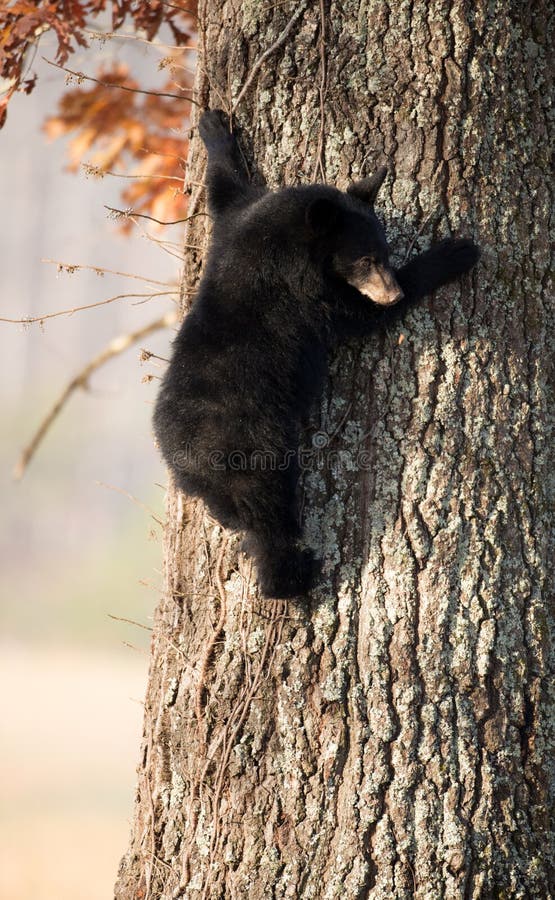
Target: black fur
pixel 252 355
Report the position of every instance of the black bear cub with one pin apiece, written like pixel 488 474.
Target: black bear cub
pixel 287 274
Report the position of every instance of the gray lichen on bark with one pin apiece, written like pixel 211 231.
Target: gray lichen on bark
pixel 396 740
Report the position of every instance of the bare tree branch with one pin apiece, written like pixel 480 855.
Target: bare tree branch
pixel 124 493
pixel 182 9
pixel 115 347
pixel 319 163
pixel 70 268
pixel 99 172
pixel 31 320
pixel 264 56
pixel 130 214
pixel 104 36
pixel 80 76
pixel 129 622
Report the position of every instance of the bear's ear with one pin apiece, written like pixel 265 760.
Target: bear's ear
pixel 367 189
pixel 321 215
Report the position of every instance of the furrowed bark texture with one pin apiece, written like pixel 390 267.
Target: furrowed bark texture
pixel 394 740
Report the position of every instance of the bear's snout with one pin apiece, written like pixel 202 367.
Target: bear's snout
pixel 380 285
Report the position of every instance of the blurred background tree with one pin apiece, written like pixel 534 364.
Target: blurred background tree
pixel 75 553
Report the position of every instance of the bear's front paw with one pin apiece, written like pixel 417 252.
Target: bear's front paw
pixel 213 127
pixel 458 255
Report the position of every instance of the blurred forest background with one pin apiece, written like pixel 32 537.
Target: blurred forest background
pixel 74 551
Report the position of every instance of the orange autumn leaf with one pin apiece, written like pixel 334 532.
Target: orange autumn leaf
pixel 129 133
pixel 112 130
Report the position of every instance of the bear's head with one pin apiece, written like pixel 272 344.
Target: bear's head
pixel 353 239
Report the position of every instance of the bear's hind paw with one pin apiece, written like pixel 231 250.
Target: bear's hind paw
pixel 287 575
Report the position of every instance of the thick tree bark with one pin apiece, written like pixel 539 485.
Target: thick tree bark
pixel 394 740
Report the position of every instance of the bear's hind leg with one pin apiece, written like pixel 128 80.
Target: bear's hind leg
pixel 283 571
pixel 216 499
pixel 224 510
pixel 270 518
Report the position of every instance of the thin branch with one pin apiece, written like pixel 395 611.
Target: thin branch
pixel 319 165
pixel 173 65
pixel 70 268
pixel 31 320
pixel 213 640
pixel 161 244
pixel 182 9
pixel 262 59
pixel 129 622
pixel 276 5
pixel 134 647
pixel 99 172
pixel 124 493
pixel 130 214
pixel 114 348
pixel 122 87
pixel 146 355
pixel 435 213
pixel 113 35
pixel 167 155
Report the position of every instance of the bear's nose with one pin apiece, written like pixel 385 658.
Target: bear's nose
pixel 380 286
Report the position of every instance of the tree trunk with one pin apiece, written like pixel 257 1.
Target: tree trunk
pixel 394 740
